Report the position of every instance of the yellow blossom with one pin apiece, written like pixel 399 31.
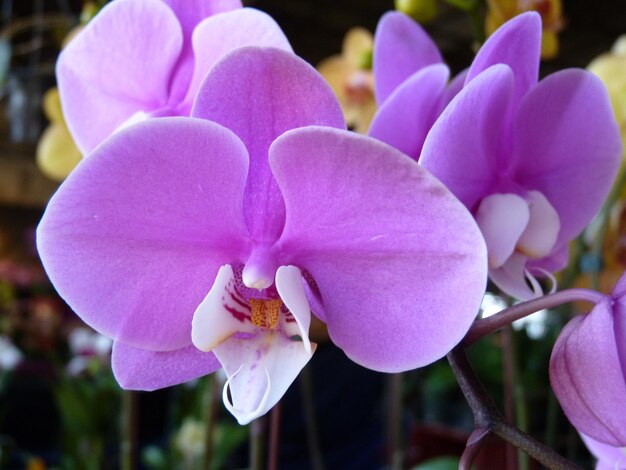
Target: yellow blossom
pixel 350 76
pixel 551 11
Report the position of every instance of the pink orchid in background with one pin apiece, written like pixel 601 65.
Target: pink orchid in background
pixel 195 242
pixel 609 457
pixel 411 78
pixel 587 369
pixel 147 58
pixel 532 161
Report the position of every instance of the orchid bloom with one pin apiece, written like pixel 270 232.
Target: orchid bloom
pixel 587 369
pixel 609 457
pixel 195 242
pixel 411 78
pixel 139 59
pixel 532 161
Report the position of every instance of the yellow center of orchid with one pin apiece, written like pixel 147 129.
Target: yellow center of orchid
pixel 265 313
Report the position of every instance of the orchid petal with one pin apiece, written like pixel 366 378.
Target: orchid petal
pixel 101 76
pixel 217 35
pixel 566 126
pixel 138 369
pixel 132 249
pixel 540 235
pixel 556 261
pixel 409 112
pixel 517 43
pixel 587 375
pixel 502 218
pixel 609 457
pixel 513 278
pixel 401 48
pixel 221 314
pixel 462 147
pixel 259 370
pixel 455 86
pixel 259 93
pixel 291 291
pixel 386 244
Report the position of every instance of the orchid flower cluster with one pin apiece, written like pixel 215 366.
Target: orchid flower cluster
pixel 222 203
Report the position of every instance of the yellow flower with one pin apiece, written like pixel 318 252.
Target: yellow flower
pixel 57 154
pixel 350 77
pixel 421 11
pixel 551 11
pixel 611 68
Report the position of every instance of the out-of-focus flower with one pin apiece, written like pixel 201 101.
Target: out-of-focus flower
pixel 611 68
pixel 420 10
pixel 139 59
pixel 609 457
pixel 533 161
pixel 10 356
pixel 551 11
pixel 350 76
pixel 236 224
pixel 57 154
pixel 87 346
pixel 587 369
pixel 190 439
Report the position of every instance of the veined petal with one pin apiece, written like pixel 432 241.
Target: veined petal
pixel 221 314
pixel 406 116
pixel 462 149
pixel 121 63
pixel 587 376
pixel 397 259
pixel 138 369
pixel 502 218
pixel 291 291
pixel 220 34
pixel 134 238
pixel 401 48
pixel 517 43
pixel 259 370
pixel 567 146
pixel 259 93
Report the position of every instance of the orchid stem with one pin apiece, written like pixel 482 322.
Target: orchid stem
pixel 488 418
pixel 257 441
pixel 128 445
pixel 274 448
pixel 475 443
pixel 508 365
pixel 395 421
pixel 211 407
pixel 486 326
pixel 313 443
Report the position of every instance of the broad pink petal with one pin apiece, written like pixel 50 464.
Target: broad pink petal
pixel 609 457
pixel 120 64
pixel 401 48
pixel 397 259
pixel 221 314
pixel 220 34
pixel 567 146
pixel 517 43
pixel 134 238
pixel 259 370
pixel 259 93
pixel 455 85
pixel 409 112
pixel 502 218
pixel 138 369
pixel 588 378
pixel 191 12
pixel 463 146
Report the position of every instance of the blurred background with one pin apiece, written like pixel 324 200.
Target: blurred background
pixel 60 406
